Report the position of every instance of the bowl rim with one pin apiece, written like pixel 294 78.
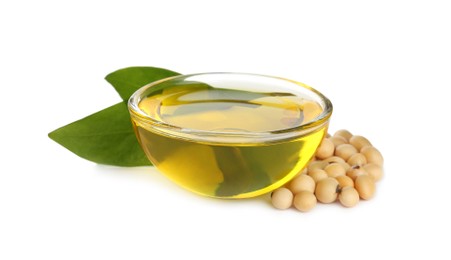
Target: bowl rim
pixel 197 134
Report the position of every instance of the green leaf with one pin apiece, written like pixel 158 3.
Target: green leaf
pixel 105 137
pixel 126 81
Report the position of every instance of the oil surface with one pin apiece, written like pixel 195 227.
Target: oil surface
pixel 225 169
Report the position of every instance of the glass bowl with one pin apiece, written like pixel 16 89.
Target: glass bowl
pixel 229 135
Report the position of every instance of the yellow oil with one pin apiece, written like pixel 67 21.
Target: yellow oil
pixel 223 168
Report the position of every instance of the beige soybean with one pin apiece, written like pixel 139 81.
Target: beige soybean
pixel 374 171
pixel 372 155
pixel 325 149
pixel 304 201
pixel 302 183
pixel 335 170
pixel 359 141
pixel 348 197
pixel 345 151
pixel 364 184
pixel 344 181
pixel 282 198
pixel 334 159
pixel 357 159
pixel 318 174
pixel 326 190
pixel 344 133
pixel 337 140
pixel 316 165
pixel 346 166
pixel 356 171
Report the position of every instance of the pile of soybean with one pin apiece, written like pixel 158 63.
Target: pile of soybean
pixel 345 167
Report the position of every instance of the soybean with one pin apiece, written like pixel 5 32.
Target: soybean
pixel 348 197
pixel 374 171
pixel 302 183
pixel 356 171
pixel 325 149
pixel 357 159
pixel 359 141
pixel 344 133
pixel 364 184
pixel 345 167
pixel 282 198
pixel 304 201
pixel 372 155
pixel 334 170
pixel 326 190
pixel 316 165
pixel 337 140
pixel 344 181
pixel 318 174
pixel 345 151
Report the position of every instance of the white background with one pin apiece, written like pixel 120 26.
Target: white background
pixel 384 64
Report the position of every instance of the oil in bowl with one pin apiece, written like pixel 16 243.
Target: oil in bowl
pixel 229 135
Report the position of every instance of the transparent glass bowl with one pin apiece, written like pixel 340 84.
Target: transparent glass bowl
pixel 229 135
